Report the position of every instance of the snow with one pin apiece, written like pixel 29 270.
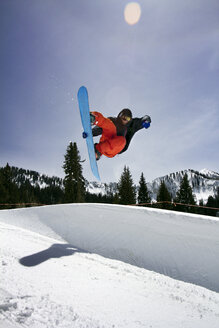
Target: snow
pixel 97 265
pixel 209 173
pixel 204 195
pixel 96 188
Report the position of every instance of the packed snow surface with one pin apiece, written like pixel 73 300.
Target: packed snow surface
pixel 95 265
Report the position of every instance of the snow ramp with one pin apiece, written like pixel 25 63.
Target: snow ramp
pixel 182 246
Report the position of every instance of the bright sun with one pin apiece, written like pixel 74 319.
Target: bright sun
pixel 132 13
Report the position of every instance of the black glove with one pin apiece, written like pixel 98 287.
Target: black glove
pixel 92 119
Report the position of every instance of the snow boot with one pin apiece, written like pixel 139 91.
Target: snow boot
pixel 97 153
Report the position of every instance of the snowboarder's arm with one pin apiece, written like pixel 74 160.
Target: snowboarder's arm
pixel 135 125
pixel 139 123
pixel 99 119
pixel 103 122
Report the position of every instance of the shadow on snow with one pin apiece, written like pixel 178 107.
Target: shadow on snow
pixel 54 251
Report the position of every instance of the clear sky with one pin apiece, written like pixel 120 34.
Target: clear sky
pixel 166 65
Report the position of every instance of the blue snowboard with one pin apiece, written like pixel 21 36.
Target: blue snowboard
pixel 85 119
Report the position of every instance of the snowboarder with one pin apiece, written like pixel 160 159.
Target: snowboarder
pixel 116 132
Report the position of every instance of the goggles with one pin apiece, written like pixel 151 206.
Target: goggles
pixel 126 118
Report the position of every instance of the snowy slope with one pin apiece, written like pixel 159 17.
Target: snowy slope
pixel 53 274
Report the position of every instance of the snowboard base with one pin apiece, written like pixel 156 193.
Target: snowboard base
pixel 87 133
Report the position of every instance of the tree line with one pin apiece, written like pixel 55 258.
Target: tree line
pixel 18 186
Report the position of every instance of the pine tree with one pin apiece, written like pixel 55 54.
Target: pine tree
pixel 74 182
pixel 217 198
pixel 8 189
pixel 4 196
pixel 213 202
pixel 126 188
pixel 185 195
pixel 163 194
pixel 143 194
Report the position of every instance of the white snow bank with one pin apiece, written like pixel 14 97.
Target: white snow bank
pixel 182 246
pixel 60 286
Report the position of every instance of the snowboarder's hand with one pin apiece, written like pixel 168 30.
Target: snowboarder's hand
pixel 146 121
pixel 92 118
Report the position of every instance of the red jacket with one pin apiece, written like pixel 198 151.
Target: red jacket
pixel 113 139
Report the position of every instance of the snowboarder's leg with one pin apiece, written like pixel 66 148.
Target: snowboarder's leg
pixel 112 146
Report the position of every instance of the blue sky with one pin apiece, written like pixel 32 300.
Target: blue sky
pixel 166 66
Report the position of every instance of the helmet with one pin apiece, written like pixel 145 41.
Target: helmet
pixel 126 113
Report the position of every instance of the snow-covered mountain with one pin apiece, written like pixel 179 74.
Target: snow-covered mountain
pixel 35 179
pixel 204 183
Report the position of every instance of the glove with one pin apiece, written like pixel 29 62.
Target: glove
pixel 146 121
pixel 145 124
pixel 92 119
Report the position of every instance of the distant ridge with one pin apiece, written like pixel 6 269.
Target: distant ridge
pixel 204 183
